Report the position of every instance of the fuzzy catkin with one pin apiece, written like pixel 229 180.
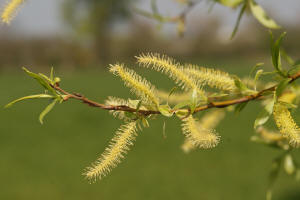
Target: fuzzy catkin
pixel 138 85
pixel 174 70
pixel 209 121
pixel 286 124
pixel 114 152
pixel 10 10
pixel 199 136
pixel 211 77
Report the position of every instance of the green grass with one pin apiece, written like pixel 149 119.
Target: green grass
pixel 46 161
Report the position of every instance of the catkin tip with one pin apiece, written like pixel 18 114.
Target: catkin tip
pixel 10 10
pixel 113 154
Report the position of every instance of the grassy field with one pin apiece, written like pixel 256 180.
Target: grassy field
pixel 46 161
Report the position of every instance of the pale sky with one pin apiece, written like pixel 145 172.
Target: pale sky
pixel 42 17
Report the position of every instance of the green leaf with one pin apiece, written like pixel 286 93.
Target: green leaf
pixel 259 13
pixel 37 96
pixel 281 87
pixel 171 92
pixel 264 115
pixel 182 104
pixel 231 3
pixel 289 165
pixel 240 85
pixel 257 65
pixel 257 75
pixel 182 113
pixel 47 110
pixel 275 51
pixel 236 26
pixel 52 74
pixel 165 110
pixel 41 80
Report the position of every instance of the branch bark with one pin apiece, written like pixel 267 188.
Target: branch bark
pixel 215 104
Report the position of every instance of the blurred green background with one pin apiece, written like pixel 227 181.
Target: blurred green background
pixel 47 161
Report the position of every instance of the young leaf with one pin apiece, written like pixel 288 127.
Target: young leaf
pixel 37 96
pixel 259 13
pixel 275 51
pixel 231 3
pixel 41 80
pixel 47 110
pixel 165 110
pixel 181 105
pixel 257 75
pixel 243 8
pixel 264 115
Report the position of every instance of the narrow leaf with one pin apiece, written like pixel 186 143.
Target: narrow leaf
pixel 41 80
pixel 264 115
pixel 259 13
pixel 243 8
pixel 37 96
pixel 47 110
pixel 165 110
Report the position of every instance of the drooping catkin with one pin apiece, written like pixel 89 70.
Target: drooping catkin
pixel 138 85
pixel 211 77
pixel 10 10
pixel 173 69
pixel 287 126
pixel 113 153
pixel 199 136
pixel 209 121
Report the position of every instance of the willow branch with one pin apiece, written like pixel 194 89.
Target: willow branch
pixel 214 104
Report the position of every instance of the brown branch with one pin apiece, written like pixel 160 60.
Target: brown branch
pixel 216 104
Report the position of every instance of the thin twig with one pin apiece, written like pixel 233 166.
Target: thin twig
pixel 215 104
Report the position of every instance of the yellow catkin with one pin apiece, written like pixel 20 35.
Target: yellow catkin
pixel 211 77
pixel 287 126
pixel 10 10
pixel 199 136
pixel 138 85
pixel 174 70
pixel 209 121
pixel 113 153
